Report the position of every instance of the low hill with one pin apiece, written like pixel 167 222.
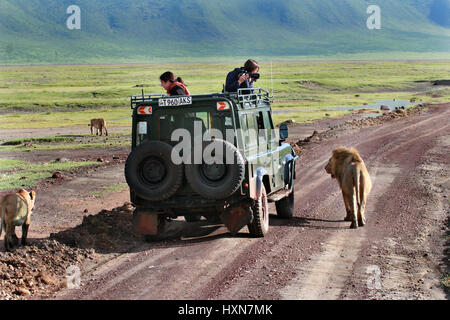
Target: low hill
pixel 35 31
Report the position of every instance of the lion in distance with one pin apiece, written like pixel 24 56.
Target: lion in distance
pixel 16 211
pixel 348 168
pixel 99 125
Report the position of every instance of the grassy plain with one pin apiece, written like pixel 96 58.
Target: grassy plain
pixel 111 189
pixel 16 174
pixel 66 142
pixel 45 97
pixel 57 96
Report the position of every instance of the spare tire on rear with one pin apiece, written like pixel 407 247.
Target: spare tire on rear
pixel 217 181
pixel 150 172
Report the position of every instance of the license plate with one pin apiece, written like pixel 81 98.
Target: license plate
pixel 174 102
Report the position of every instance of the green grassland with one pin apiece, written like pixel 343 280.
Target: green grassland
pixel 52 119
pixel 69 142
pixel 110 189
pixel 30 141
pixel 61 96
pixel 57 96
pixel 21 174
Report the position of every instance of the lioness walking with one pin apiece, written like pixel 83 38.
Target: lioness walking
pixel 348 168
pixel 15 211
pixel 99 125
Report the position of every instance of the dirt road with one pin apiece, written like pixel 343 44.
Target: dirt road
pixel 398 255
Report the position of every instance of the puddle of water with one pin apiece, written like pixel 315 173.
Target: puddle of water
pixel 290 111
pixel 371 115
pixel 389 103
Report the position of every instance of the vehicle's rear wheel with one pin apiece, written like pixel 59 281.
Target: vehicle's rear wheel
pixel 150 172
pixel 217 181
pixel 260 223
pixel 285 206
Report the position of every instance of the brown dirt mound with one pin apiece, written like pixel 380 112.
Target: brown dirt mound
pixel 38 269
pixel 355 124
pixel 105 232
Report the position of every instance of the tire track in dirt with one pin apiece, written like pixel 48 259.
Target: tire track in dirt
pixel 408 255
pixel 339 242
pixel 143 275
pixel 324 278
pixel 226 267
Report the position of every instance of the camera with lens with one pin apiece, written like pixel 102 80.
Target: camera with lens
pixel 254 76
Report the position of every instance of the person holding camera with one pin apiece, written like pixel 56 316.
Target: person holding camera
pixel 242 78
pixel 174 87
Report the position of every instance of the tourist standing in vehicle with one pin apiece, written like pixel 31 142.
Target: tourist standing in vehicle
pixel 240 78
pixel 174 87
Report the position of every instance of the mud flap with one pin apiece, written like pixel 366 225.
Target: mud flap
pixel 237 217
pixel 145 222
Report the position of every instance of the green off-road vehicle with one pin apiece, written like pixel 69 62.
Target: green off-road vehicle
pixel 215 155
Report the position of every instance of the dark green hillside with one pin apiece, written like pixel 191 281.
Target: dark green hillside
pixel 34 31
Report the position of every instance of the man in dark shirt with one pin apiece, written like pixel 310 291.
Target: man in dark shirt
pixel 239 78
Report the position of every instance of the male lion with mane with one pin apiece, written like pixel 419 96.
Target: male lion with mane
pixel 348 168
pixel 99 125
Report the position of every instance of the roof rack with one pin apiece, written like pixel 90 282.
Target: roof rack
pixel 244 96
pixel 144 97
pixel 253 95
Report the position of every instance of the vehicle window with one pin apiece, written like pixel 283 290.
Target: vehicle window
pixel 261 127
pixel 268 124
pixel 167 123
pixel 251 129
pixel 260 120
pixel 229 122
pixel 244 127
pixel 205 117
pixel 165 127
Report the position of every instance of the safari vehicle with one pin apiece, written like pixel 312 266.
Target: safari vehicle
pixel 240 127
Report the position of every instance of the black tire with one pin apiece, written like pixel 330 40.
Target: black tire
pixel 193 218
pixel 217 181
pixel 259 226
pixel 150 172
pixel 285 206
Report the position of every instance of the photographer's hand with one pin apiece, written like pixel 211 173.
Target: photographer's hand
pixel 243 78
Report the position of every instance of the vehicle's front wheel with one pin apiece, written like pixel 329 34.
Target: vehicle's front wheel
pixel 285 206
pixel 260 223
